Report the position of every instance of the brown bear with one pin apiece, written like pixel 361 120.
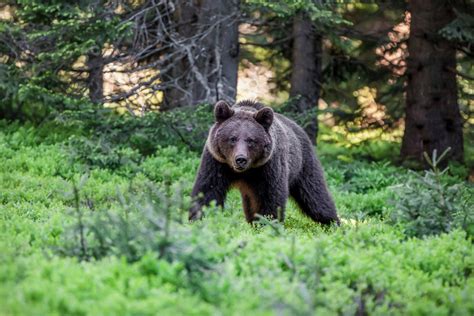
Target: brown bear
pixel 268 157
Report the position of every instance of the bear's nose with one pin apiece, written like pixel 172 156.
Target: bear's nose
pixel 241 161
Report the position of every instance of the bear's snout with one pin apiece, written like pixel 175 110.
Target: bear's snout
pixel 241 159
pixel 241 162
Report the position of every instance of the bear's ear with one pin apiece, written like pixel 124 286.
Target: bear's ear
pixel 222 111
pixel 264 117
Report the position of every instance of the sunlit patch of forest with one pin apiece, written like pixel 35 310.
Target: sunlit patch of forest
pixel 105 107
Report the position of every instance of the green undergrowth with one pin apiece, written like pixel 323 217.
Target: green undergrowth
pixel 79 237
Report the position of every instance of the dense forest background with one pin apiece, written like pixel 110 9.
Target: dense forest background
pixel 104 110
pixel 362 65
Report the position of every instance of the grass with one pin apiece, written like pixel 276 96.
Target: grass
pixel 221 265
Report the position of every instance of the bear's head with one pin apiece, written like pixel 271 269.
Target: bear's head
pixel 241 136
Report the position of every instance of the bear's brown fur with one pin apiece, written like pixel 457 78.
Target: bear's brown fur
pixel 267 157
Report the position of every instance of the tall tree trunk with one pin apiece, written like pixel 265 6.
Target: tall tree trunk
pixel 433 120
pixel 183 23
pixel 206 66
pixel 228 48
pixel 306 70
pixel 95 80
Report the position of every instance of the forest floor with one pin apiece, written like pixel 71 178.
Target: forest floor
pixel 117 242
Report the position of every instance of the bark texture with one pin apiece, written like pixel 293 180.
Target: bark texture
pixel 306 70
pixel 206 49
pixel 95 79
pixel 433 120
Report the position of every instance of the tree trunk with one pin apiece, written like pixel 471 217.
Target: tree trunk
pixel 433 120
pixel 183 23
pixel 95 80
pixel 205 69
pixel 306 71
pixel 228 48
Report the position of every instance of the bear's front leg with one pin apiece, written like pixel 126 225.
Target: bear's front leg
pixel 273 199
pixel 211 184
pixel 271 190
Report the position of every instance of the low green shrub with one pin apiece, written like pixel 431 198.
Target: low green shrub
pixel 185 127
pixel 147 221
pixel 429 204
pixel 106 139
pixel 100 153
pixel 132 264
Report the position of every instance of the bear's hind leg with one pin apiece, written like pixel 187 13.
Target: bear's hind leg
pixel 313 197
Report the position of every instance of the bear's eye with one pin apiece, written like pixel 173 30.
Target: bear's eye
pixel 250 141
pixel 233 139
